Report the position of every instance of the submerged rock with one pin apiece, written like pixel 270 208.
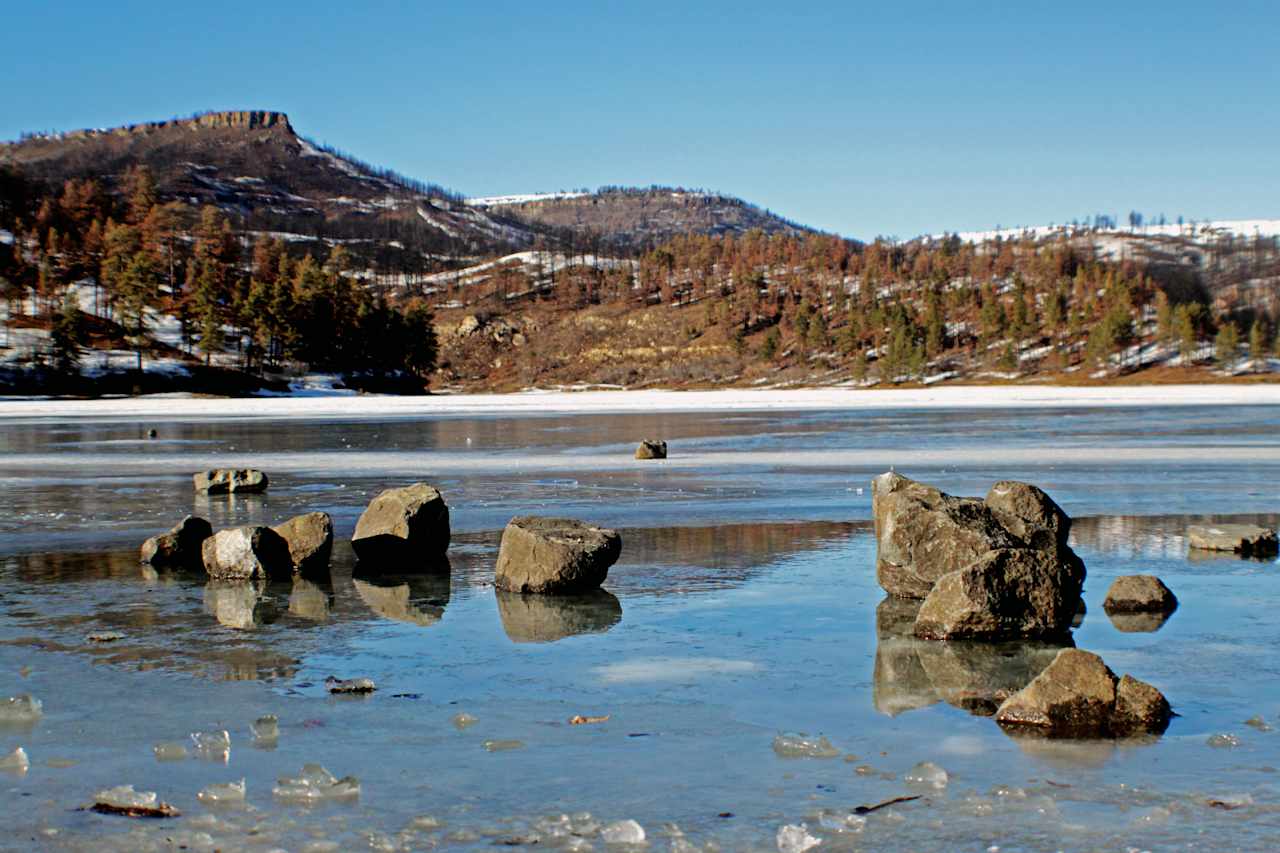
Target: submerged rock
pixel 315 784
pixel 1078 696
pixel 554 555
pixel 23 708
pixel 222 481
pixel 16 761
pixel 310 540
pixel 652 448
pixel 1139 594
pixel 246 553
pixel 402 528
pixel 170 751
pixel 802 746
pixel 180 547
pixel 928 775
pixel 349 685
pixel 545 619
pixel 502 745
pixel 223 793
pixel 124 800
pixel 1246 539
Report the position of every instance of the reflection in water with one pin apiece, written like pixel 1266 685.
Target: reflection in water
pixel 974 676
pixel 417 599
pixel 239 604
pixel 1139 623
pixel 1152 536
pixel 310 599
pixel 547 618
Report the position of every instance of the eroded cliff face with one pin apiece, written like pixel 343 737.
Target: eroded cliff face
pixel 229 119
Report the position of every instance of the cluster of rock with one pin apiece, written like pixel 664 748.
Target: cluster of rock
pixel 225 481
pixel 301 545
pixel 1000 569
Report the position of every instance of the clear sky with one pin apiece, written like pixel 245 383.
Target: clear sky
pixel 863 118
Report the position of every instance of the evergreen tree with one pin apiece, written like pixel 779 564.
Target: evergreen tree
pixel 67 337
pixel 1226 345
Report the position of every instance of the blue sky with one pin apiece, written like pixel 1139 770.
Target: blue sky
pixel 866 119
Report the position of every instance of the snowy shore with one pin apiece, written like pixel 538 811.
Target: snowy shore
pixel 532 403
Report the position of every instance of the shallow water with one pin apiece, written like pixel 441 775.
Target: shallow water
pixel 744 607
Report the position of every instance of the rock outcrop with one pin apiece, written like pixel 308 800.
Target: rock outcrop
pixel 222 481
pixel 554 555
pixel 1139 594
pixel 310 540
pixel 1247 539
pixel 246 553
pixel 180 547
pixel 652 448
pixel 1079 696
pixel 402 529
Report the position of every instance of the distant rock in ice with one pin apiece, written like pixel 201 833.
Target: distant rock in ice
pixel 1247 539
pixel 652 448
pixel 349 685
pixel 502 745
pixel 222 481
pixel 1223 741
pixel 104 637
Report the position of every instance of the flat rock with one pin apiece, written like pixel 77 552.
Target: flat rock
pixel 652 448
pixel 310 540
pixel 180 547
pixel 1005 594
pixel 222 481
pixel 1077 695
pixel 401 528
pixel 554 555
pixel 246 553
pixel 1247 539
pixel 1139 594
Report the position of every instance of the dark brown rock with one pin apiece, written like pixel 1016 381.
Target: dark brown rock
pixel 1139 594
pixel 310 540
pixel 1140 709
pixel 1025 509
pixel 554 555
pixel 652 449
pixel 180 547
pixel 245 553
pixel 222 481
pixel 402 528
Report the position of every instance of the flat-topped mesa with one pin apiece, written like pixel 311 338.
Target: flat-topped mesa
pixel 229 119
pixel 993 568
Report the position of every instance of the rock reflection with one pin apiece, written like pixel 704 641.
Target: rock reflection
pixel 1139 623
pixel 976 677
pixel 547 618
pixel 311 599
pixel 416 599
pixel 241 605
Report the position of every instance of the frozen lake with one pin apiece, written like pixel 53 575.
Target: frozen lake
pixel 744 607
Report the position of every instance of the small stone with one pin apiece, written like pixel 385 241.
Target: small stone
pixel 1139 594
pixel 502 745
pixel 463 721
pixel 795 838
pixel 170 751
pixel 623 832
pixel 1223 741
pixel 223 481
pixel 801 746
pixel 223 793
pixel 927 774
pixel 350 685
pixel 652 449
pixel 23 708
pixel 15 761
pixel 1256 722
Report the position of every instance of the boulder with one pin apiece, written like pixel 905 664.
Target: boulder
pixel 1247 539
pixel 554 555
pixel 547 618
pixel 180 547
pixel 401 527
pixel 222 481
pixel 1025 510
pixel 310 540
pixel 1079 696
pixel 923 534
pixel 652 448
pixel 244 553
pixel 1005 594
pixel 1139 594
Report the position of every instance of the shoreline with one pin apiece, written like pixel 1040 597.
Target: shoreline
pixel 162 407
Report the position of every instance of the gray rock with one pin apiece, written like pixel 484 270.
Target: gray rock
pixel 547 618
pixel 1078 696
pixel 1139 594
pixel 652 448
pixel 554 555
pixel 401 528
pixel 923 534
pixel 222 481
pixel 1005 594
pixel 310 540
pixel 244 553
pixel 180 547
pixel 1247 539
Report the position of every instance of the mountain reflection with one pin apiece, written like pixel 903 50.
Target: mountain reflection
pixel 547 618
pixel 973 676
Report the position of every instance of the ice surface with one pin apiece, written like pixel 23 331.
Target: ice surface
pixel 23 708
pixel 795 838
pixel 928 774
pixel 802 746
pixel 623 832
pixel 16 760
pixel 225 792
pixel 315 784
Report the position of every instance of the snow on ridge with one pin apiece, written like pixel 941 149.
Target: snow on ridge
pixel 499 200
pixel 1203 229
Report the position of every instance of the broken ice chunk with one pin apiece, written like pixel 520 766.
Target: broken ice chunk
pixel 227 792
pixel 623 832
pixel 794 838
pixel 170 751
pixel 350 685
pixel 801 746
pixel 928 774
pixel 23 708
pixel 464 721
pixel 123 800
pixel 314 784
pixel 266 731
pixel 213 746
pixel 1223 741
pixel 15 761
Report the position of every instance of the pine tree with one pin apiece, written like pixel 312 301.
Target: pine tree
pixel 1226 344
pixel 1258 335
pixel 67 336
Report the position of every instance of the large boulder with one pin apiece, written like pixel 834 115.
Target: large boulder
pixel 180 547
pixel 652 448
pixel 923 534
pixel 1006 594
pixel 310 540
pixel 402 527
pixel 1079 696
pixel 1247 539
pixel 554 555
pixel 245 553
pixel 222 481
pixel 1139 594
